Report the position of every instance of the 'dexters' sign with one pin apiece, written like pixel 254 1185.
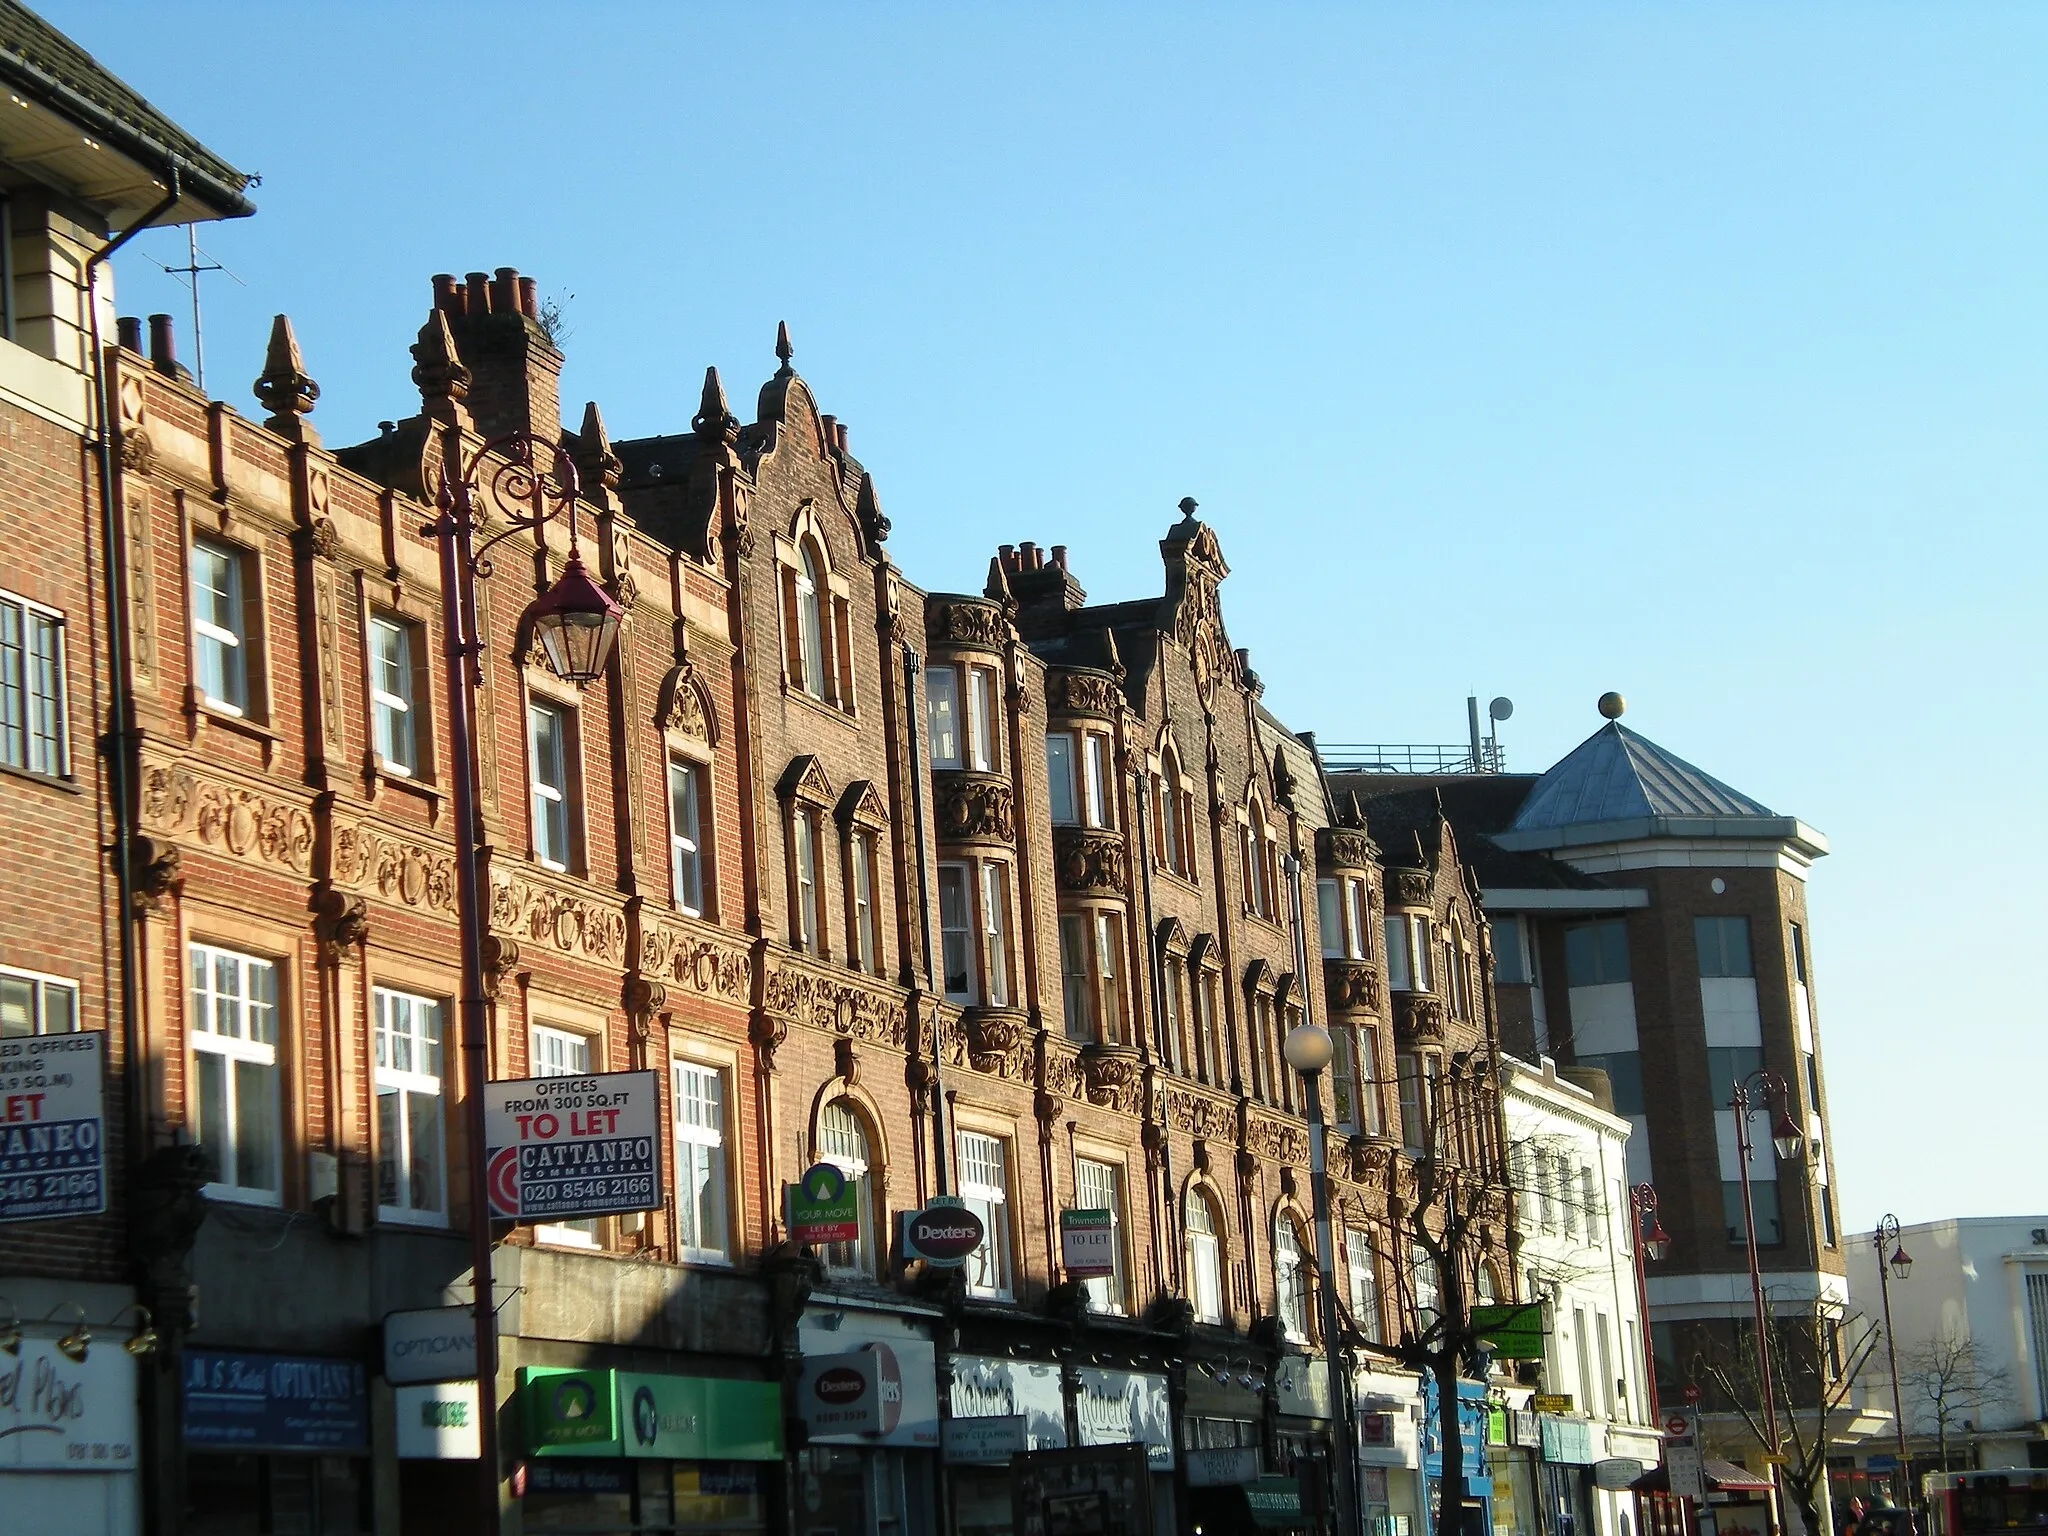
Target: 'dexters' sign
pixel 566 1147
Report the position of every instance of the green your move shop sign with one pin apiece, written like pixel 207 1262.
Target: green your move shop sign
pixel 631 1413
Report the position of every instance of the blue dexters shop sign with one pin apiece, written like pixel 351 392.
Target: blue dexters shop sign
pixel 1471 1434
pixel 235 1401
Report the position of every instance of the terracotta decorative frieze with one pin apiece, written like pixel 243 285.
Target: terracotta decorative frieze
pixel 237 821
pixel 1277 1140
pixel 1112 1076
pixel 1345 848
pixel 1200 1115
pixel 1063 1071
pixel 396 868
pixel 575 925
pixel 326 625
pixel 974 807
pixel 1369 1162
pixel 1090 861
pixel 1353 985
pixel 141 574
pixel 965 622
pixel 837 1006
pixel 1418 1016
pixel 696 961
pixel 1408 887
pixel 1082 693
pixel 997 1041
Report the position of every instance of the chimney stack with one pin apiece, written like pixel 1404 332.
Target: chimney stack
pixel 515 383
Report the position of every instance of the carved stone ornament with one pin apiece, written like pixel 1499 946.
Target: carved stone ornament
pixel 1063 1071
pixel 1276 1140
pixel 345 925
pixel 964 621
pixel 396 868
pixel 1369 1162
pixel 138 454
pixel 837 1006
pixel 1068 692
pixel 1418 1016
pixel 973 807
pixel 1111 1076
pixel 996 1041
pixel 1353 985
pixel 221 816
pixel 499 957
pixel 1201 1116
pixel 1345 848
pixel 575 925
pixel 1090 861
pixel 1408 887
pixel 696 961
pixel 153 870
pixel 683 705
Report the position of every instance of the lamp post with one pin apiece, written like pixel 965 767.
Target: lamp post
pixel 575 622
pixel 1759 1090
pixel 1887 1236
pixel 1652 1242
pixel 1309 1049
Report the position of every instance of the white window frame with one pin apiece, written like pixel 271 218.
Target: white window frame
pixel 867 944
pixel 422 1021
pixel 1098 778
pixel 956 932
pixel 547 1041
pixel 1063 781
pixel 942 699
pixel 35 724
pixel 686 835
pixel 39 989
pixel 1205 1258
pixel 394 713
pixel 1330 917
pixel 810 620
pixel 236 1049
pixel 995 933
pixel 1290 1278
pixel 983 749
pixel 1362 1274
pixel 803 855
pixel 701 1159
pixel 984 1184
pixel 1077 988
pixel 229 645
pixel 1357 912
pixel 544 791
pixel 1408 1074
pixel 1099 1185
pixel 1109 1004
pixel 855 1257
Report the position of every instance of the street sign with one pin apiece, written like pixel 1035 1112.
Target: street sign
pixel 989 1442
pixel 1682 1463
pixel 1616 1473
pixel 822 1207
pixel 1776 1459
pixel 1088 1243
pixel 858 1393
pixel 561 1148
pixel 1231 1467
pixel 430 1344
pixel 1513 1332
pixel 52 1152
pixel 1677 1424
pixel 944 1233
pixel 1551 1402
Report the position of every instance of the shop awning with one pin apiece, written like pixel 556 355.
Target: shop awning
pixel 1721 1476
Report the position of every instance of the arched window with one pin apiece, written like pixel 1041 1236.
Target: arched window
pixel 810 621
pixel 1290 1277
pixel 1205 1259
pixel 1166 810
pixel 843 1142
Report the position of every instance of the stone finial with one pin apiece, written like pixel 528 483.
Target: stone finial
pixel 593 454
pixel 284 389
pixel 1112 660
pixel 1187 507
pixel 998 588
pixel 714 419
pixel 439 372
pixel 1354 813
pixel 867 508
pixel 783 349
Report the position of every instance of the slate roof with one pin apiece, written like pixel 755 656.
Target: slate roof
pixel 1616 775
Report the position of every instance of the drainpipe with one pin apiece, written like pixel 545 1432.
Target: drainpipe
pixel 913 666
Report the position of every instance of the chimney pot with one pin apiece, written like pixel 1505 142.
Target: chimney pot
pixel 529 298
pixel 1059 556
pixel 476 293
pixel 505 292
pixel 1009 554
pixel 840 428
pixel 128 331
pixel 447 293
pixel 1028 553
pixel 828 425
pixel 387 428
pixel 163 346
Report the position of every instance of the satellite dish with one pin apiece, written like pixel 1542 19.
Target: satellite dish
pixel 1500 709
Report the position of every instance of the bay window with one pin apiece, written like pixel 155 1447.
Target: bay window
pixel 942 714
pixel 983 748
pixel 956 932
pixel 1060 783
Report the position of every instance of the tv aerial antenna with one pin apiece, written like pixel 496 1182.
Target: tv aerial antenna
pixel 189 276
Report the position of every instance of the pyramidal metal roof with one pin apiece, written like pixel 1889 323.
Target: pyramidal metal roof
pixel 1616 775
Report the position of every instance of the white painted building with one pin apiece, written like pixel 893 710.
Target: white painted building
pixel 1979 1283
pixel 1569 1153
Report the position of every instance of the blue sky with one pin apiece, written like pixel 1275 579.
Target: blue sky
pixel 1694 351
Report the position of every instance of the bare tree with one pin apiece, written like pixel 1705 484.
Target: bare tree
pixel 1815 1357
pixel 1949 1377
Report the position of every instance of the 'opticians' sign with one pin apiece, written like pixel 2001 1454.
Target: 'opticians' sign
pixel 239 1402
pixel 52 1152
pixel 566 1147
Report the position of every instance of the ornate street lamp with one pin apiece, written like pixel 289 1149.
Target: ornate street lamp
pixel 1763 1089
pixel 575 623
pixel 1652 1243
pixel 1887 1236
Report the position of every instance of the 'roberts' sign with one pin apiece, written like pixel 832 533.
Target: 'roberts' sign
pixel 52 1156
pixel 431 1344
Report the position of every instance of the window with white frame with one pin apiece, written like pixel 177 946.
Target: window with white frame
pixel 1290 1277
pixel 33 733
pixel 686 840
pixel 1172 831
pixel 1098 1186
pixel 1568 1194
pixel 1205 1259
pixel 956 931
pixel 562 1053
pixel 1330 918
pixel 984 747
pixel 1098 811
pixel 1343 1080
pixel 806 932
pixel 220 626
pixel 942 715
pixel 1173 1011
pixel 1077 985
pixel 1364 1282
pixel 32 1004
pixel 810 623
pixel 1358 932
pixel 1414 1113
pixel 1251 840
pixel 1109 960
pixel 702 1233
pixel 548 749
pixel 412 1129
pixel 394 689
pixel 995 933
pixel 1423 1269
pixel 843 1142
pixel 1061 786
pixel 866 945
pixel 1369 1080
pixel 234 1106
pixel 985 1189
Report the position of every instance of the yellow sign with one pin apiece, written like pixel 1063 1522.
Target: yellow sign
pixel 1552 1402
pixel 1777 1459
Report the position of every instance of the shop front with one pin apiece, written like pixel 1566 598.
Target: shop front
pixel 645 1452
pixel 1389 1453
pixel 1515 1475
pixel 998 1407
pixel 1130 1408
pixel 68 1439
pixel 1565 1475
pixel 869 1399
pixel 1306 1426
pixel 275 1442
pixel 1475 1518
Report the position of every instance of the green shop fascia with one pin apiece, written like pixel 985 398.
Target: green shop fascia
pixel 630 1413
